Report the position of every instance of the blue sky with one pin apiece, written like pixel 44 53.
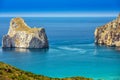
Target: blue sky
pixel 59 7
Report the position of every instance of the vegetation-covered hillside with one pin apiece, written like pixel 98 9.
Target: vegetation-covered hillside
pixel 8 72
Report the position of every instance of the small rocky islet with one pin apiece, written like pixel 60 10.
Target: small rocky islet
pixel 20 35
pixel 109 34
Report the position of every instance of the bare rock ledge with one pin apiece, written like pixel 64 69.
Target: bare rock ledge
pixel 109 34
pixel 22 36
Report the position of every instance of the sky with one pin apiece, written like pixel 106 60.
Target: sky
pixel 59 8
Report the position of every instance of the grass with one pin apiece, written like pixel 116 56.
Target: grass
pixel 22 26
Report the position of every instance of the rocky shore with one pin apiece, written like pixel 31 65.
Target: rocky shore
pixel 109 34
pixel 20 35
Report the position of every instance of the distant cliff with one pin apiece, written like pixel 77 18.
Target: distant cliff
pixel 109 34
pixel 22 36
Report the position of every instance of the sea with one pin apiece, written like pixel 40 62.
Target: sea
pixel 72 51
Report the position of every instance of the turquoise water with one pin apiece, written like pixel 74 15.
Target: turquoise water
pixel 72 50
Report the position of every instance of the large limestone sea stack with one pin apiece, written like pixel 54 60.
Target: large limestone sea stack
pixel 109 34
pixel 22 36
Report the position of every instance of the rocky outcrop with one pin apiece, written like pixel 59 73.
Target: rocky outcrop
pixel 109 34
pixel 22 36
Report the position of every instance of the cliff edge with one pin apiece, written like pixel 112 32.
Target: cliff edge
pixel 22 36
pixel 109 34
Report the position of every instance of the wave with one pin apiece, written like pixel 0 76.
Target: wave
pixel 72 49
pixel 57 55
pixel 91 44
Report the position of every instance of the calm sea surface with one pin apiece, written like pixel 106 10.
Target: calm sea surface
pixel 72 50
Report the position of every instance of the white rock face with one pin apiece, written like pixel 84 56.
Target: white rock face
pixel 109 34
pixel 22 36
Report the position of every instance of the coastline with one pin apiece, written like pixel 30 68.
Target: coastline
pixel 8 72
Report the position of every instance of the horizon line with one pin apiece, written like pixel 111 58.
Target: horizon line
pixel 59 14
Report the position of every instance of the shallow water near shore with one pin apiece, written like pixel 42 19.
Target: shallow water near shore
pixel 72 50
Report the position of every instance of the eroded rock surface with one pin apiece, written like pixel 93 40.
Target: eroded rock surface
pixel 109 34
pixel 22 36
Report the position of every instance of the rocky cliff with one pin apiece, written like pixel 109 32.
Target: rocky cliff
pixel 22 36
pixel 109 34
